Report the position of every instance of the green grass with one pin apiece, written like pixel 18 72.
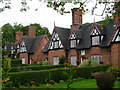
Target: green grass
pixel 86 83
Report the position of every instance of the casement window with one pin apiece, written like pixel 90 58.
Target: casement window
pixel 12 51
pixel 97 58
pixel 23 60
pixel 55 60
pixel 82 52
pixel 56 44
pixel 5 48
pixel 74 60
pixel 18 46
pixel 23 48
pixel 72 43
pixel 95 40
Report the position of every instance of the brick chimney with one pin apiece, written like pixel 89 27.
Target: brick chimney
pixel 31 31
pixel 116 19
pixel 18 36
pixel 76 17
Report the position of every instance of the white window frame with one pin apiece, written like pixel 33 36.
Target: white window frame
pixel 56 44
pixel 72 43
pixel 82 52
pixel 55 60
pixel 97 58
pixel 96 40
pixel 23 60
pixel 74 60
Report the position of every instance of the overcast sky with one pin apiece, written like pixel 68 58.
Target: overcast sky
pixel 44 16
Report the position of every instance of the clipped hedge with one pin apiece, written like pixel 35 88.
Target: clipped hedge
pixel 35 67
pixel 23 78
pixel 16 62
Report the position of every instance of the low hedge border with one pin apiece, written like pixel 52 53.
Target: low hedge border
pixel 40 67
pixel 43 76
pixel 16 62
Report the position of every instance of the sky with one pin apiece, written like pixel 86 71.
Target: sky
pixel 44 16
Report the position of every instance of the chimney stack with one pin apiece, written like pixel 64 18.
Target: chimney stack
pixel 76 17
pixel 116 19
pixel 18 36
pixel 31 31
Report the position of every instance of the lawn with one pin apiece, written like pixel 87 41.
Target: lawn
pixel 86 83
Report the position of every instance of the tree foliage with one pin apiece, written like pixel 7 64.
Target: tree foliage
pixel 8 31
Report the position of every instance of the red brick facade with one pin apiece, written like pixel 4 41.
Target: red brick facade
pixel 31 31
pixel 18 36
pixel 24 55
pixel 38 55
pixel 55 53
pixel 76 17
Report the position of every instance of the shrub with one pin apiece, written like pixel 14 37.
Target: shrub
pixel 51 82
pixel 62 59
pixel 86 63
pixel 105 80
pixel 16 62
pixel 35 67
pixel 115 70
pixel 45 62
pixel 52 74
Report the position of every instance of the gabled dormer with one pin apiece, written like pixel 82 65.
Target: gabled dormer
pixel 116 35
pixel 18 48
pixel 73 40
pixel 23 47
pixel 55 42
pixel 95 35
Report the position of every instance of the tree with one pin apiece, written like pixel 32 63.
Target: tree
pixel 111 8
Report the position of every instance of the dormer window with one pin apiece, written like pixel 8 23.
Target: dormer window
pixel 116 37
pixel 55 43
pixel 17 46
pixel 23 48
pixel 72 43
pixel 95 40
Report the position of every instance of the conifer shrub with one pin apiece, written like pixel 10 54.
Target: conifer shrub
pixel 62 59
pixel 105 80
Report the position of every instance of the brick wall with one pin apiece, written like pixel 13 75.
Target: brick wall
pixel 31 31
pixel 76 17
pixel 104 52
pixel 53 53
pixel 115 54
pixel 72 52
pixel 24 55
pixel 18 36
pixel 38 55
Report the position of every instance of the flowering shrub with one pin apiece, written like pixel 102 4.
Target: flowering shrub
pixel 115 70
pixel 51 82
pixel 95 74
pixel 32 83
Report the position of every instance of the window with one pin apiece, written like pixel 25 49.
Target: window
pixel 55 60
pixel 12 51
pixel 82 52
pixel 72 43
pixel 17 46
pixel 73 60
pixel 97 58
pixel 5 47
pixel 95 40
pixel 43 47
pixel 18 50
pixel 56 44
pixel 23 60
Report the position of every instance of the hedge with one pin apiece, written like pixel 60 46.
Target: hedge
pixel 16 62
pixel 35 67
pixel 23 78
